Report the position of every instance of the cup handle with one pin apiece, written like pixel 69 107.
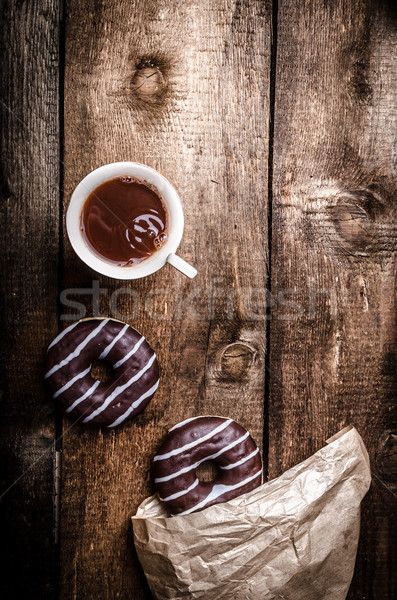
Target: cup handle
pixel 181 265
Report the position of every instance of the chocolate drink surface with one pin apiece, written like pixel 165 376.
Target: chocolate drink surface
pixel 124 220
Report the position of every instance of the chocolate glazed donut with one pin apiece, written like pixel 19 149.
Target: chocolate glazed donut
pixel 194 441
pixel 135 371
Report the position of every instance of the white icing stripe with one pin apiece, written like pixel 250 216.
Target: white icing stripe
pixel 83 397
pixel 119 390
pixel 240 462
pixel 205 437
pixel 220 490
pixel 135 404
pixel 62 334
pixel 77 351
pixel 129 354
pixel 182 493
pixel 211 457
pixel 184 423
pixel 71 382
pixel 110 346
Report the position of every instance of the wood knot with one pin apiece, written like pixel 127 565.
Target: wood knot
pixel 235 361
pixel 386 457
pixel 353 224
pixel 148 83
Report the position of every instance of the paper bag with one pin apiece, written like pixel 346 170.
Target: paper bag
pixel 293 538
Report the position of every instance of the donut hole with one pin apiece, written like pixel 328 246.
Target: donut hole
pixel 102 371
pixel 207 471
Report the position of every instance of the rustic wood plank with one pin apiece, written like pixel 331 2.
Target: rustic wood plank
pixel 182 87
pixel 29 258
pixel 333 351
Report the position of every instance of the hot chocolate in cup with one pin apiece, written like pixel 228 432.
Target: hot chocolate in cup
pixel 89 196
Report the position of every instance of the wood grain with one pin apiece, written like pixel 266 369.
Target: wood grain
pixel 333 329
pixel 182 87
pixel 29 258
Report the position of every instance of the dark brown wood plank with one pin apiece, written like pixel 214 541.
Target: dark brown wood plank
pixel 333 352
pixel 204 128
pixel 29 259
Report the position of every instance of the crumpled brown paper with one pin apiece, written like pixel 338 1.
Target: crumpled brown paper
pixel 292 538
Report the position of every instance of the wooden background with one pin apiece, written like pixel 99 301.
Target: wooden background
pixel 276 122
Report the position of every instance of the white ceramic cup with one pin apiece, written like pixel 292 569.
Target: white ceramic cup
pixel 166 254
